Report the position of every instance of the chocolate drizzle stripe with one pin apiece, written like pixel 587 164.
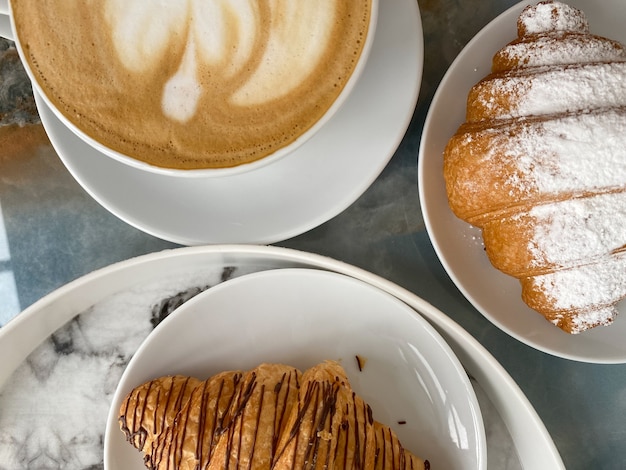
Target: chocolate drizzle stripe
pixel 155 428
pixel 216 417
pixel 357 441
pixel 394 456
pixel 178 451
pixel 139 438
pixel 237 420
pixel 318 427
pixel 201 422
pixel 256 428
pixel 384 448
pixel 278 420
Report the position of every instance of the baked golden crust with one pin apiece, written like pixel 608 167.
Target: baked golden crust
pixel 389 452
pixel 497 168
pixel 265 399
pixel 540 166
pixel 194 433
pixel 327 407
pixel 150 408
pixel 271 417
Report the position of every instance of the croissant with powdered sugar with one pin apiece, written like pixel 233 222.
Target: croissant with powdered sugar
pixel 270 417
pixel 540 166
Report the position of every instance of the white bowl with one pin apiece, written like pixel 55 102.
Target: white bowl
pixel 301 317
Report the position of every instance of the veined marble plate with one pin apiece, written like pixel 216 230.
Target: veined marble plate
pixel 290 196
pixel 64 355
pixel 302 317
pixel 459 245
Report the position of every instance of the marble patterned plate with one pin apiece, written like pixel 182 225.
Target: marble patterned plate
pixel 292 195
pixel 302 317
pixel 459 245
pixel 64 355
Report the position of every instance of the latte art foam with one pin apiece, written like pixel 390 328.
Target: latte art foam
pixel 192 83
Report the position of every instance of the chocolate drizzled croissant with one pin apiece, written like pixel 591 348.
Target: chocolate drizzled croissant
pixel 151 408
pixel 540 166
pixel 271 417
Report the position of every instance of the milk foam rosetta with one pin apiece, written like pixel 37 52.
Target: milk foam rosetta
pixel 192 83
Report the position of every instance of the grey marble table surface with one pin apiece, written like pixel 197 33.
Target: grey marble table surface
pixel 53 232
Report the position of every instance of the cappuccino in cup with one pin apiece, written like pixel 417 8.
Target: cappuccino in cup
pixel 192 84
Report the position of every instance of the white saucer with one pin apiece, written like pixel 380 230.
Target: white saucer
pixel 458 245
pixel 302 317
pixel 294 194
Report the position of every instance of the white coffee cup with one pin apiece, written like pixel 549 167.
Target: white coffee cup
pixel 277 154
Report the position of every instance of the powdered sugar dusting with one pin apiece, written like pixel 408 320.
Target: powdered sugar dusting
pixel 592 290
pixel 583 234
pixel 584 320
pixel 558 48
pixel 551 16
pixel 593 318
pixel 550 90
pixel 573 154
pixel 577 230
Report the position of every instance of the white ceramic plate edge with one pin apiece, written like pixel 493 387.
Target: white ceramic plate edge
pixel 26 331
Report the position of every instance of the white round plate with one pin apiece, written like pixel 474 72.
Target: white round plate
pixel 458 245
pixel 533 444
pixel 301 317
pixel 294 194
